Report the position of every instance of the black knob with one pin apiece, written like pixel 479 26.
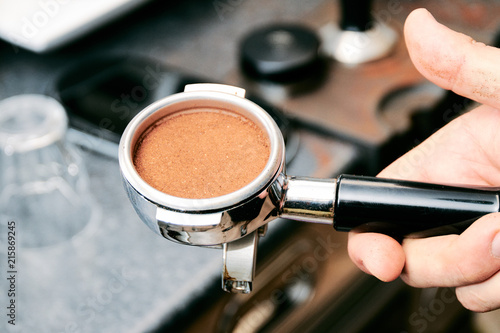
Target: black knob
pixel 281 53
pixel 356 15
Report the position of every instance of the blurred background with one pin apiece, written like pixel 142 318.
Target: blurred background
pixel 336 77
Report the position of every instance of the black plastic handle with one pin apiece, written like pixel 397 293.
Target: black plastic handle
pixel 405 206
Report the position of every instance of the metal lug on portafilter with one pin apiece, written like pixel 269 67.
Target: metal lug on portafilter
pixel 359 37
pixel 239 264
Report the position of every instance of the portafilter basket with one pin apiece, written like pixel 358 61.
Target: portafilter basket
pixel 235 221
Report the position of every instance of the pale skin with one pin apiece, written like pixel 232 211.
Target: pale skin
pixel 466 151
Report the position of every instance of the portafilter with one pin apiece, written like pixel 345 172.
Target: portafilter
pixel 235 221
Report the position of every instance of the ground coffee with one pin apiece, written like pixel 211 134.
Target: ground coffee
pixel 201 154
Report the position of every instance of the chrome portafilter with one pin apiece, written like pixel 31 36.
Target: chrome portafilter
pixel 236 220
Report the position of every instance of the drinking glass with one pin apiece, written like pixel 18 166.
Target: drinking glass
pixel 43 183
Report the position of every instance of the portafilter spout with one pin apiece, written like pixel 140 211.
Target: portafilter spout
pixel 235 221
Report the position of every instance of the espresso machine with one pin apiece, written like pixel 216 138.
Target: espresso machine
pixel 345 99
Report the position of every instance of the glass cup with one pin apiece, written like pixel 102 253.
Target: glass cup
pixel 43 185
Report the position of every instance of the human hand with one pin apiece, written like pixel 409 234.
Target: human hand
pixel 466 151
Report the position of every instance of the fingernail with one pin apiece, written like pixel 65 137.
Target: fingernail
pixel 495 246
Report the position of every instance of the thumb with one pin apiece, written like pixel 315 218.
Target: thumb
pixel 453 60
